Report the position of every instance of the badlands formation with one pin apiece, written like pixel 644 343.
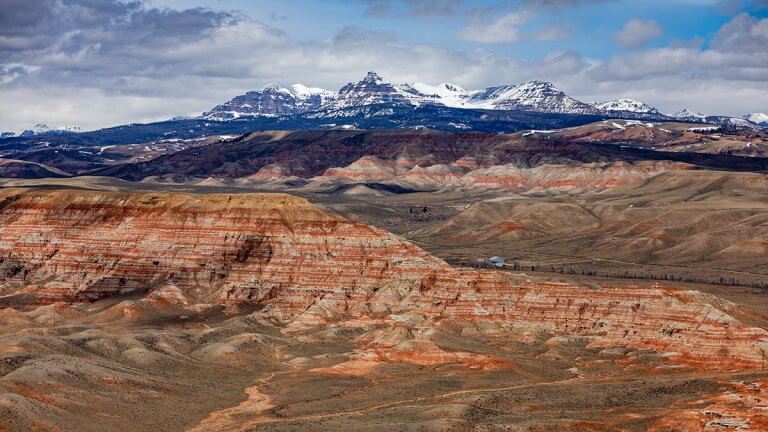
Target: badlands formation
pixel 180 311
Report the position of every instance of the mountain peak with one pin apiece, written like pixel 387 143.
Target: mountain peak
pixel 757 117
pixel 540 96
pixel 373 90
pixel 685 113
pixel 271 100
pixel 373 77
pixel 627 105
pixel 539 84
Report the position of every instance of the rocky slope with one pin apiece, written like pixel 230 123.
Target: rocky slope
pixel 467 173
pixel 12 168
pixel 272 100
pixel 670 136
pixel 630 105
pixel 305 267
pixel 422 159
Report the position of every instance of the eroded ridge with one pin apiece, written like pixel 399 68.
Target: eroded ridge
pixel 305 267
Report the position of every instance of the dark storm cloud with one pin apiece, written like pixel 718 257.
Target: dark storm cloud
pixel 69 26
pixel 117 46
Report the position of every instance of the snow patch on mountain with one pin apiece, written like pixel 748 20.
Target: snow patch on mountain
pixel 757 118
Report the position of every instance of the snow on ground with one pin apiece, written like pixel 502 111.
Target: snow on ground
pixel 532 132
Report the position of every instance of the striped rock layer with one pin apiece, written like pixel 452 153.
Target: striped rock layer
pixel 307 267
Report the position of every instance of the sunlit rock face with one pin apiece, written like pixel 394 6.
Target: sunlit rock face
pixel 305 267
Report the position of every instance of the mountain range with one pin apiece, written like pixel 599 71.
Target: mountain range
pixel 532 96
pixel 373 103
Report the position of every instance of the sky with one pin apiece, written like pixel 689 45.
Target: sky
pixel 99 63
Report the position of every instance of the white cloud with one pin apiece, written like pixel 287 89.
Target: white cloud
pixel 553 32
pixel 505 28
pixel 637 33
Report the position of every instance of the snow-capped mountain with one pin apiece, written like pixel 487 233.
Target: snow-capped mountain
pixel 757 118
pixel 537 96
pixel 41 129
pixel 752 121
pixel 365 96
pixel 272 100
pixel 740 122
pixel 689 115
pixel 627 105
pixel 373 90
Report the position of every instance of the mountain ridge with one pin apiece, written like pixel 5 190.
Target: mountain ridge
pixel 534 96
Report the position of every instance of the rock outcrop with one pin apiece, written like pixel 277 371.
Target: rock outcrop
pixel 306 267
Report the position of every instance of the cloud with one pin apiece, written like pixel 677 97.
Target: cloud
pixel 735 6
pixel 505 28
pixel 637 33
pixel 737 52
pixel 423 8
pixel 11 72
pixel 491 24
pixel 743 33
pixel 559 4
pixel 553 32
pixel 105 63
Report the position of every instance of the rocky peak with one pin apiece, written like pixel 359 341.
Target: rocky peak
pixel 372 78
pixel 452 87
pixel 627 105
pixel 685 113
pixel 373 89
pixel 271 100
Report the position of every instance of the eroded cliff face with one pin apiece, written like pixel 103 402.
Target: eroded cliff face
pixel 78 246
pixel 462 174
pixel 305 267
